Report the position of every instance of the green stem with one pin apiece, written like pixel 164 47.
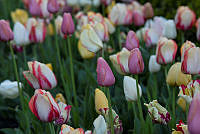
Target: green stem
pixel 173 106
pixel 51 128
pixel 24 53
pixel 119 38
pixel 155 87
pixel 168 89
pixel 110 112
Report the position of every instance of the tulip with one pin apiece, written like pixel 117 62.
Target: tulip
pixel 153 65
pixel 120 61
pixel 198 29
pixel 141 33
pixel 6 33
pixel 132 41
pixel 64 113
pixel 135 62
pixel 23 37
pixel 158 113
pixel 100 126
pixel 19 15
pixel 52 6
pixel 194 115
pixel 186 46
pixel 106 2
pixel 182 103
pixel 40 76
pixel 34 8
pixel 9 89
pixel 85 54
pixel 148 10
pixel 181 128
pixel 50 29
pixel 138 18
pixel 58 23
pixel 169 30
pixel 60 98
pixel 43 106
pixel 101 101
pixel 166 51
pixel 110 26
pixel 88 132
pixel 105 76
pixel 67 26
pixel 185 18
pixel 130 89
pixel 176 77
pixel 190 63
pixel 49 65
pixel 102 31
pixel 65 129
pixel 90 40
pixel 151 37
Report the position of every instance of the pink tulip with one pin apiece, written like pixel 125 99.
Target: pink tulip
pixel 105 76
pixel 6 33
pixel 166 51
pixel 34 8
pixel 40 76
pixel 64 113
pixel 135 62
pixel 132 41
pixel 191 62
pixel 194 115
pixel 67 26
pixel 148 10
pixel 43 106
pixel 138 18
pixel 185 18
pixel 53 6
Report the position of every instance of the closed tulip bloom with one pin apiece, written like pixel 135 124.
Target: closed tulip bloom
pixel 6 33
pixel 101 101
pixel 181 128
pixel 153 65
pixel 138 18
pixel 148 10
pixel 60 98
pixel 23 37
pixel 198 29
pixel 132 41
pixel 53 6
pixel 34 8
pixel 100 126
pixel 67 26
pixel 65 129
pixel 120 61
pixel 130 89
pixel 40 76
pixel 110 26
pixel 169 30
pixel 175 77
pixel 90 39
pixel 44 11
pixel 64 113
pixel 9 89
pixel 151 37
pixel 186 46
pixel 43 106
pixel 191 62
pixel 185 18
pixel 166 51
pixel 19 15
pixel 158 113
pixel 182 103
pixel 194 115
pixel 135 62
pixel 58 23
pixel 85 54
pixel 105 76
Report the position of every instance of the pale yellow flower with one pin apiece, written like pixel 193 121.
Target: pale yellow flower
pixel 85 54
pixel 19 15
pixel 101 101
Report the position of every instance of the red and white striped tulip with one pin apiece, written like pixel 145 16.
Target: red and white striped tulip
pixel 6 33
pixel 185 18
pixel 166 51
pixel 43 106
pixel 191 61
pixel 40 76
pixel 186 46
pixel 138 18
pixel 64 113
pixel 105 75
pixel 102 31
pixel 151 37
pixel 132 41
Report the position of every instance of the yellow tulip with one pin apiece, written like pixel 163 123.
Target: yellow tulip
pixel 49 66
pixel 19 15
pixel 60 98
pixel 182 103
pixel 85 54
pixel 100 100
pixel 50 30
pixel 176 77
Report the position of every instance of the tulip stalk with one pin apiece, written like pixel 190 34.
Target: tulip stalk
pixel 110 112
pixel 51 128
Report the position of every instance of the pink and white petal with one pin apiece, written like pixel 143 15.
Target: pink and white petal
pixel 31 79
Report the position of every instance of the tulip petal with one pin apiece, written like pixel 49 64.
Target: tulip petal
pixel 31 79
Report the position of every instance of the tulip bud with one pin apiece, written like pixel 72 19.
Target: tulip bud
pixel 138 18
pixel 9 89
pixel 132 41
pixel 186 46
pixel 85 54
pixel 175 77
pixel 148 10
pixel 153 65
pixel 67 26
pixel 120 61
pixel 182 103
pixel 64 113
pixel 90 39
pixel 60 98
pixel 169 30
pixel 43 106
pixel 101 101
pixel 166 51
pixel 151 37
pixel 52 6
pixel 191 62
pixel 130 89
pixel 135 62
pixel 58 23
pixel 22 38
pixel 185 18
pixel 34 8
pixel 40 76
pixel 181 128
pixel 100 126
pixel 6 33
pixel 158 113
pixel 105 76
pixel 194 115
pixel 19 15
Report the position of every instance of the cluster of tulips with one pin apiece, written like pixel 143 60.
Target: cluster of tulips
pixel 100 36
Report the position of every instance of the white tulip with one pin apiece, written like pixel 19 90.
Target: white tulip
pixel 169 30
pixel 153 65
pixel 100 126
pixel 20 34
